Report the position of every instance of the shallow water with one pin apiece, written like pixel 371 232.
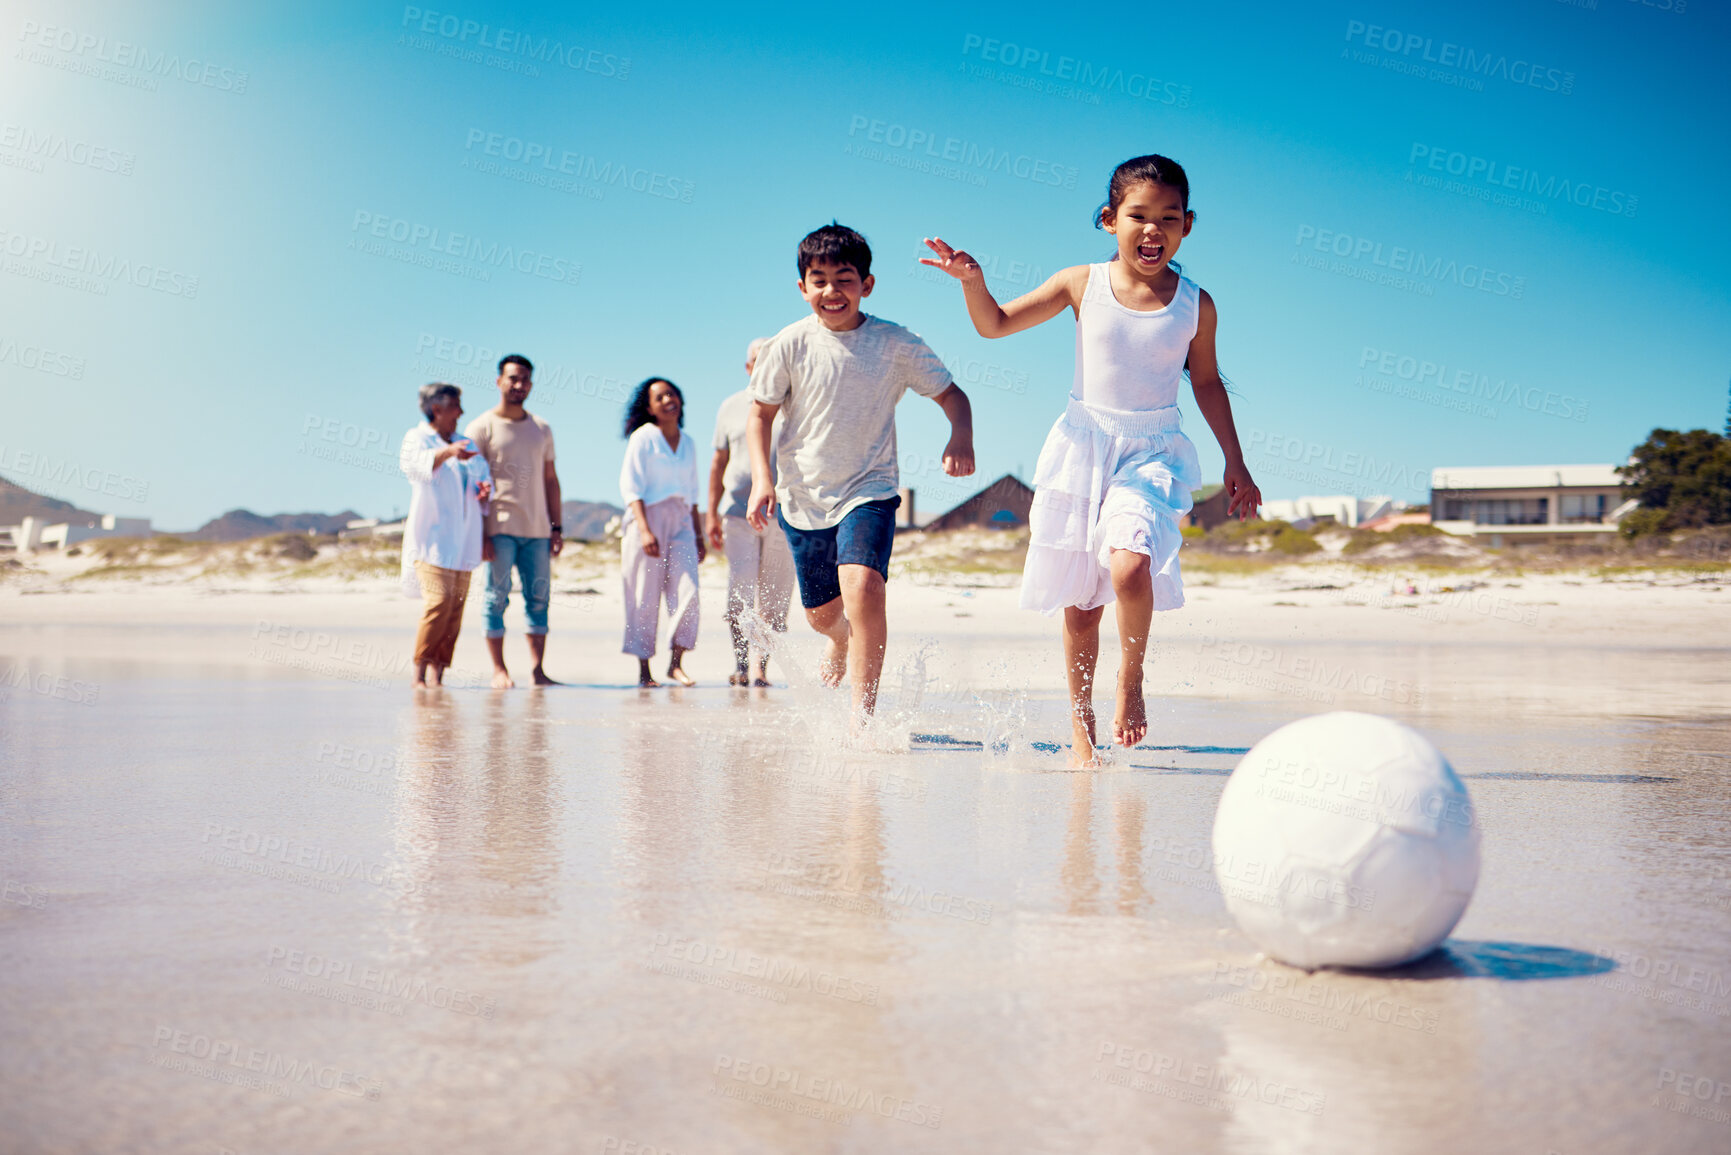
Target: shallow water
pixel 276 913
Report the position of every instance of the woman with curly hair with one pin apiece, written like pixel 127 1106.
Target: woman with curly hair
pixel 663 541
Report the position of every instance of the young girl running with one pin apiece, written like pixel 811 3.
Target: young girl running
pixel 1115 476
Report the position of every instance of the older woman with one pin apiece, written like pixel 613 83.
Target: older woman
pixel 449 488
pixel 663 530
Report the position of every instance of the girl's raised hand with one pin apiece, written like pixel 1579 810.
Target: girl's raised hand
pixel 955 262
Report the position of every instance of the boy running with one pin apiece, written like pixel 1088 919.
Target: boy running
pixel 836 377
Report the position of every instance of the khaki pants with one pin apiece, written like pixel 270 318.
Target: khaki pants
pixel 759 578
pixel 443 593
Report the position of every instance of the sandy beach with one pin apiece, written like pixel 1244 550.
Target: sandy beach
pixel 1328 633
pixel 261 896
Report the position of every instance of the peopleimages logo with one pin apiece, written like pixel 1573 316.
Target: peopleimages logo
pixel 434 242
pixel 1312 455
pixel 88 47
pixel 1411 263
pixel 89 269
pixel 582 166
pixel 44 472
pixel 39 146
pixel 41 358
pixel 1473 384
pixel 1085 74
pixel 928 144
pixel 1478 170
pixel 1401 48
pixel 461 31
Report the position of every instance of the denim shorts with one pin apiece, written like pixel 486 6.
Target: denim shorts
pixel 864 537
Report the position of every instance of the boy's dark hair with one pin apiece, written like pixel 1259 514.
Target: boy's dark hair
pixel 637 411
pixel 515 359
pixel 835 244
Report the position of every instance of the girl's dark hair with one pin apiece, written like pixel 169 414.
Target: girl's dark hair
pixel 637 411
pixel 1153 168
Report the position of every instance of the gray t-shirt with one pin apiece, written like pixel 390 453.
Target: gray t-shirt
pixel 730 435
pixel 838 394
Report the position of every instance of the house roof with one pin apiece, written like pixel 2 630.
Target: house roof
pixel 1008 487
pixel 1523 476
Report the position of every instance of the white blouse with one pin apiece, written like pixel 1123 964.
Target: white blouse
pixel 445 514
pixel 654 471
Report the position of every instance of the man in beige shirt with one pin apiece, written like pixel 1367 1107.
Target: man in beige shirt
pixel 522 530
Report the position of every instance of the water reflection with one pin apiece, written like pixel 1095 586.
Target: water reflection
pixel 478 820
pixel 772 855
pixel 1079 874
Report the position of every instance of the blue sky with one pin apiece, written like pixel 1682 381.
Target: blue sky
pixel 1381 312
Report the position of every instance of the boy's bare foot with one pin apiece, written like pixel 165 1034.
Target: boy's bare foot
pixel 645 680
pixel 1130 722
pixel 1082 755
pixel 541 678
pixel 678 674
pixel 502 680
pixel 833 668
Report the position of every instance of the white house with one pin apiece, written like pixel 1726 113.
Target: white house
pixel 372 527
pixel 1509 504
pixel 1343 508
pixel 35 533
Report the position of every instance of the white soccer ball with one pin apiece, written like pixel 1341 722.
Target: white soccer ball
pixel 1346 840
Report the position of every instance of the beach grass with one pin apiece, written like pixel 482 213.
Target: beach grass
pixel 1257 550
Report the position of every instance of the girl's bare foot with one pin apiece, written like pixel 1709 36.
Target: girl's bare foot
pixel 502 680
pixel 739 678
pixel 1082 756
pixel 762 682
pixel 833 668
pixel 1130 722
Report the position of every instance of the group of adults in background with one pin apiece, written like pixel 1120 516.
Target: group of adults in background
pixel 492 495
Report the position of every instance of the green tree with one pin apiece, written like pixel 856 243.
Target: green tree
pixel 1685 477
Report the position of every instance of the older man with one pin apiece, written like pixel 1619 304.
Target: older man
pixel 523 530
pixel 759 564
pixel 450 485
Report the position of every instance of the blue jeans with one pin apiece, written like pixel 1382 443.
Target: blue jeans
pixel 533 558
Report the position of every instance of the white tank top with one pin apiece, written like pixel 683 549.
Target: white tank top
pixel 1129 360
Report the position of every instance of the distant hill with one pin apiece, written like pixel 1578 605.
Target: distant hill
pixel 587 520
pixel 240 524
pixel 17 503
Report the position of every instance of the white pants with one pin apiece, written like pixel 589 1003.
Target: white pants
pixel 759 574
pixel 649 581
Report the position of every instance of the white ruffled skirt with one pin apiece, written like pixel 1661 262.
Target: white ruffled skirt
pixel 1107 480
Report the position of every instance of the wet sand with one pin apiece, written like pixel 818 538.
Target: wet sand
pixel 259 896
